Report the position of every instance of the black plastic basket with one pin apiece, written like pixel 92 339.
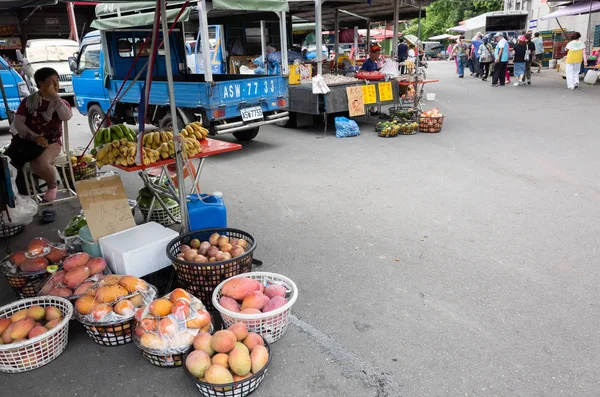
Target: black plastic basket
pixel 115 334
pixel 84 171
pixel 25 285
pixel 9 231
pixel 164 361
pixel 235 389
pixel 201 279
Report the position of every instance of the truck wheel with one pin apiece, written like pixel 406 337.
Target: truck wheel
pixel 246 135
pixel 95 117
pixel 289 123
pixel 167 122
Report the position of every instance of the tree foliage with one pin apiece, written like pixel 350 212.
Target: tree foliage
pixel 444 14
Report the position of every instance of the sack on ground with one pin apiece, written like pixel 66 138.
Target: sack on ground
pixel 345 128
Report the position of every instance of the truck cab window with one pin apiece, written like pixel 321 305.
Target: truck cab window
pixel 90 57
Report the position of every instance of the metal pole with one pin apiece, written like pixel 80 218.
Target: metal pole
pixel 336 27
pixel 395 38
pixel 73 22
pixel 285 67
pixel 368 34
pixel 171 88
pixel 263 41
pixel 355 45
pixel 203 19
pixel 418 35
pixel 9 113
pixel 319 34
pixel 590 39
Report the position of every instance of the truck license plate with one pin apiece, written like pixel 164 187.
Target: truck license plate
pixel 252 113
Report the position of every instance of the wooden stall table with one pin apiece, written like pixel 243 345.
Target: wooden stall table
pixel 164 170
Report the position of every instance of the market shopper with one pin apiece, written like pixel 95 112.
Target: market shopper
pixel 575 55
pixel 500 60
pixel 539 50
pixel 529 57
pixel 370 65
pixel 520 53
pixel 486 57
pixel 461 52
pixel 475 44
pixel 402 54
pixel 37 131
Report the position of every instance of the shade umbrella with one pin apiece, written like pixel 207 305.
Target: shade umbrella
pixel 584 7
pixel 440 37
pixel 457 29
pixel 412 39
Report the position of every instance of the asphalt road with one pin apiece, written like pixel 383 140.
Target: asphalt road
pixel 455 264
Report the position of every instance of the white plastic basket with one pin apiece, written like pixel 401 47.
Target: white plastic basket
pixel 39 351
pixel 271 325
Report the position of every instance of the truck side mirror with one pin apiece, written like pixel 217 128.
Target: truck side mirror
pixel 72 65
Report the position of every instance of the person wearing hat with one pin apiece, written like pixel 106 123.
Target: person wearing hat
pixel 500 60
pixel 520 61
pixel 370 64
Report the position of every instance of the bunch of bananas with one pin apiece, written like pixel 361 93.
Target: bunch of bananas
pixel 194 130
pixel 153 140
pixel 118 152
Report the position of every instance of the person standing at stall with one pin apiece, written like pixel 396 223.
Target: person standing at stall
pixel 520 52
pixel 575 55
pixel 486 57
pixel 370 65
pixel 37 131
pixel 461 52
pixel 529 57
pixel 500 60
pixel 475 44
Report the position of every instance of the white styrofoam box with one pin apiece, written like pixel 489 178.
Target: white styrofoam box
pixel 138 251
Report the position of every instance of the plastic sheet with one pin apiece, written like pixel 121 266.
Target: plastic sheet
pixel 73 282
pixel 345 128
pixel 25 207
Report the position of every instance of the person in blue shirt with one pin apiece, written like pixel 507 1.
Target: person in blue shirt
pixel 370 64
pixel 475 43
pixel 402 53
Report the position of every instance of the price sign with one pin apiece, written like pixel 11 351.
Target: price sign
pixel 369 94
pixel 385 92
pixel 356 104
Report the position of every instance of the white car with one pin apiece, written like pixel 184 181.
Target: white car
pixel 51 53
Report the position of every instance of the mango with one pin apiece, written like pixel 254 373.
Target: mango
pixel 96 265
pixel 4 323
pixel 85 304
pixel 179 293
pixel 239 362
pixel 112 279
pixel 259 358
pixel 152 341
pixel 53 323
pixel 75 260
pixel 274 290
pixel 36 312
pixel 198 362
pixel 77 276
pixel 229 304
pixel 252 340
pixel 124 308
pixel 240 330
pixel 83 287
pixel 17 258
pixel 254 300
pixel 37 331
pixel 18 316
pixel 58 277
pixel 250 310
pixel 101 311
pixel 203 341
pixel 56 255
pixel 221 359
pixel 223 341
pixel 137 300
pixel 218 375
pixel 167 327
pixel 238 288
pixel 201 320
pixel 21 328
pixel 110 293
pixel 240 345
pixel 237 378
pixel 60 291
pixel 53 313
pixel 274 304
pixel 34 264
pixel 133 284
pixel 6 334
pixel 161 307
pixel 181 310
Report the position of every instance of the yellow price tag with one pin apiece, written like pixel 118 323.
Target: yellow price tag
pixel 385 92
pixel 369 94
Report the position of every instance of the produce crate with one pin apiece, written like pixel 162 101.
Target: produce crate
pixel 25 285
pixel 271 325
pixel 84 171
pixel 201 279
pixel 430 124
pixel 39 351
pixel 111 334
pixel 9 231
pixel 241 388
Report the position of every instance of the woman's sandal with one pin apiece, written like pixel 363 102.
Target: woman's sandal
pixel 48 216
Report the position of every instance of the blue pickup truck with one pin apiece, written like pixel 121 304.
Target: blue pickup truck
pixel 14 88
pixel 237 104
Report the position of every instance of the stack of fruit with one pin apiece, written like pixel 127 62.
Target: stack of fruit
pixel 387 129
pixel 114 133
pixel 217 248
pixel 29 323
pixel 431 121
pixel 113 299
pixel 39 255
pixel 79 273
pixel 168 325
pixel 248 296
pixel 118 152
pixel 228 356
pixel 162 142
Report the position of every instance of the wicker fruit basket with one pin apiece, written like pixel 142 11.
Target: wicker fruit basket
pixel 40 350
pixel 431 124
pixel 271 325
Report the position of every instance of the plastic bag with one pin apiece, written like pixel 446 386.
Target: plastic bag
pixel 345 128
pixel 169 324
pixel 390 69
pixel 25 207
pixel 73 282
pixel 259 62
pixel 319 86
